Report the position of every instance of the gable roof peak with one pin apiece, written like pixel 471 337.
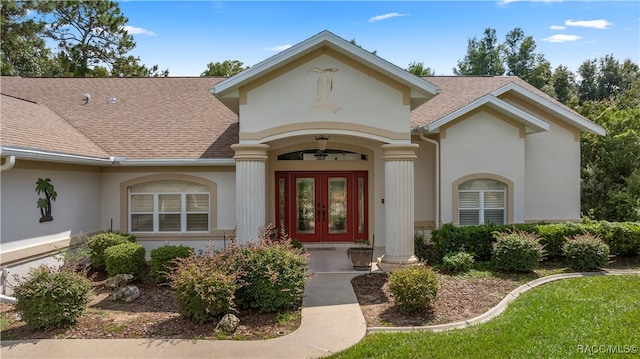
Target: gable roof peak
pixel 227 90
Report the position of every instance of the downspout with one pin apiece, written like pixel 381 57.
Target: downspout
pixel 8 164
pixel 437 144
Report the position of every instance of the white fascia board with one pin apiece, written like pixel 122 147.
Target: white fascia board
pixel 48 156
pixel 317 41
pixel 210 162
pixel 563 113
pixel 532 122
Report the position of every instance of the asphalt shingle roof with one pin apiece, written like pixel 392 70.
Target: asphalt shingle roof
pixel 164 118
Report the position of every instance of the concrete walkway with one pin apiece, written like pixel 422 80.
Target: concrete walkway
pixel 331 322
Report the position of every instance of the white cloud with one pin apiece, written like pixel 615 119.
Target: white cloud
pixel 280 47
pixel 132 30
pixel 559 38
pixel 386 16
pixel 557 27
pixel 594 24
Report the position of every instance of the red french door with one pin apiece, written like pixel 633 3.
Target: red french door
pixel 322 206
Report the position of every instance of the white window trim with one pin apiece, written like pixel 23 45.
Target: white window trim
pixel 156 211
pixel 481 209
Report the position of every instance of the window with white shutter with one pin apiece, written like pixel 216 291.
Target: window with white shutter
pixel 169 206
pixel 482 201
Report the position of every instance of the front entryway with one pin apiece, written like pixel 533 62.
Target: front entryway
pixel 322 206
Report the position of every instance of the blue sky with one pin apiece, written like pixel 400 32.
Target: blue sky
pixel 184 36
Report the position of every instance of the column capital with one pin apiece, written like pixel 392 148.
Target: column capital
pixel 250 152
pixel 399 152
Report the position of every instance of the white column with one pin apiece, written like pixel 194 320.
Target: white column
pixel 251 195
pixel 399 205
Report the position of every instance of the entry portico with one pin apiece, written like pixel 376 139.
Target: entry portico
pixel 359 180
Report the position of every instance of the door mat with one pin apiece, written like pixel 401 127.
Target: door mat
pixel 311 249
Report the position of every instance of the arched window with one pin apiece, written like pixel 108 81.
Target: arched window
pixel 482 201
pixel 169 206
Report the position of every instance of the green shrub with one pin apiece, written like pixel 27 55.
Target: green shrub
pixel 272 275
pixel 162 260
pixel 420 246
pixel 458 262
pixel 517 251
pixel 49 298
pixel 586 252
pixel 99 242
pixel 553 236
pixel 623 238
pixel 413 287
pixel 125 258
pixel 204 287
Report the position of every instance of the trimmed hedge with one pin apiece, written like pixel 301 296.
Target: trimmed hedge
pixel 413 288
pixel 586 252
pixel 623 238
pixel 51 298
pixel 517 251
pixel 163 261
pixel 125 258
pixel 99 242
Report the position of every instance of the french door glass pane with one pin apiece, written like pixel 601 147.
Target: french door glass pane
pixel 495 216
pixel 169 203
pixel 169 222
pixel 197 222
pixel 305 200
pixel 281 203
pixel 337 205
pixel 141 203
pixel 360 205
pixel 469 217
pixel 142 222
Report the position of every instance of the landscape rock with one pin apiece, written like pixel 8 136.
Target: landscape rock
pixel 118 281
pixel 120 290
pixel 228 324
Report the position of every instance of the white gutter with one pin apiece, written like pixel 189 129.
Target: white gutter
pixel 437 144
pixel 176 162
pixel 111 161
pixel 8 164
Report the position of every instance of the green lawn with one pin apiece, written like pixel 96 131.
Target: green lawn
pixel 563 319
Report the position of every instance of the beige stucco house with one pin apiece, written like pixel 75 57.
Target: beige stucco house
pixel 326 140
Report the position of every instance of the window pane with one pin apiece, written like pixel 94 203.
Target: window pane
pixel 337 205
pixel 305 204
pixel 168 186
pixel 469 200
pixel 169 222
pixel 169 203
pixel 482 184
pixel 197 222
pixel 197 203
pixel 495 216
pixel 141 222
pixel 360 205
pixel 494 200
pixel 469 217
pixel 141 203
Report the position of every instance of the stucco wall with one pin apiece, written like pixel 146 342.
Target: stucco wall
pixel 425 184
pixel 75 211
pixel 483 143
pixel 303 96
pixel 553 175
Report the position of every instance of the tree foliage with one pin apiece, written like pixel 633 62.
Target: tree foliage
pixel 226 68
pixel 483 57
pixel 522 60
pixel 418 69
pixel 23 48
pixel 90 33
